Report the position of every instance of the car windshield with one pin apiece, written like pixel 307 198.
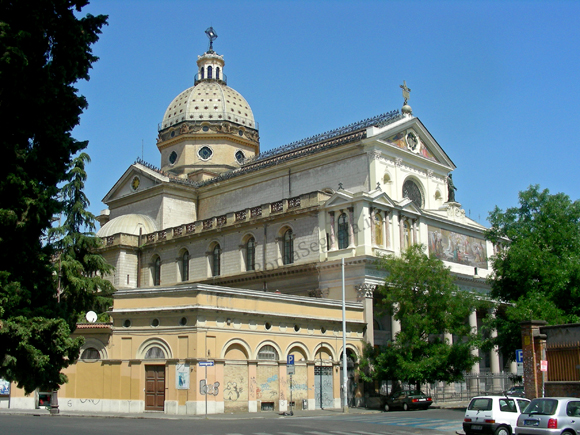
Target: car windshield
pixel 542 407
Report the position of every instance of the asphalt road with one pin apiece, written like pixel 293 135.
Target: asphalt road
pixel 433 421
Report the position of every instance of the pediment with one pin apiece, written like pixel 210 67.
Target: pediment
pixel 339 198
pixel 379 197
pixel 137 178
pixel 412 137
pixel 409 206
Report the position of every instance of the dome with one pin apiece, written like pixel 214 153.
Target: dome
pixel 209 100
pixel 128 224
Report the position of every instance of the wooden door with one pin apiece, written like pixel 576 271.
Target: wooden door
pixel 154 388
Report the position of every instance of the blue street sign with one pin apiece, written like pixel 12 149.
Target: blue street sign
pixel 290 360
pixel 519 356
pixel 206 363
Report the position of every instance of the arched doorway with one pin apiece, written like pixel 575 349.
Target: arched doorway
pixel 323 391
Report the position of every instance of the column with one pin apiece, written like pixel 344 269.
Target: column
pixel 331 230
pixel 395 324
pixel 350 227
pixel 474 384
pixel 494 364
pixel 387 230
pixel 402 232
pixel 373 229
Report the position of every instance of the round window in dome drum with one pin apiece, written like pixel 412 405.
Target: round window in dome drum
pixel 205 153
pixel 240 157
pixel 412 191
pixel 173 158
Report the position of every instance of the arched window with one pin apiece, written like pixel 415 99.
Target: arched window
pixel 378 229
pixel 251 254
pixel 216 260
pixel 184 266
pixel 217 73
pixel 155 352
pixel 157 271
pixel 209 72
pixel 202 71
pixel 288 247
pixel 413 192
pixel 268 352
pixel 90 353
pixel 342 231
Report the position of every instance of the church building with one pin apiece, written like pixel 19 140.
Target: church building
pixel 229 261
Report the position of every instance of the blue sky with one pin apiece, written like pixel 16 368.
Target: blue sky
pixel 492 81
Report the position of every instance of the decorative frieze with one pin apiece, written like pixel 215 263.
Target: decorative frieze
pixel 277 207
pixel 294 202
pixel 256 212
pixel 241 215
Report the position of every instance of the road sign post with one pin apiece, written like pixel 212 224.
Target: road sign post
pixel 290 369
pixel 205 364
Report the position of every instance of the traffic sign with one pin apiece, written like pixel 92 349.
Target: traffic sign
pixel 519 356
pixel 290 370
pixel 290 360
pixel 206 363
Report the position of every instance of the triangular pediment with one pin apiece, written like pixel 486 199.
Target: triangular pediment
pixel 409 206
pixel 137 178
pixel 379 197
pixel 413 137
pixel 339 198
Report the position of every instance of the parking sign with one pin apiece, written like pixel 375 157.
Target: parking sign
pixel 519 356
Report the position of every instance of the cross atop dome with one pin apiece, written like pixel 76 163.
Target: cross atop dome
pixel 212 35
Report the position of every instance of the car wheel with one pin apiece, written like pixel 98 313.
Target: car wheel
pixel 502 430
pixel 387 407
pixel 567 433
pixel 405 407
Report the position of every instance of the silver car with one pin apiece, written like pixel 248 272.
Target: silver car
pixel 550 416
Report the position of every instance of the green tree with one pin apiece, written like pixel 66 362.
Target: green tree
pixel 80 268
pixel 420 293
pixel 44 50
pixel 536 273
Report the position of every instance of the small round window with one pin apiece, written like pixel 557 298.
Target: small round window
pixel 205 153
pixel 126 323
pixel 155 323
pixel 172 157
pixel 183 321
pixel 296 328
pixel 205 127
pixel 240 157
pixel 268 326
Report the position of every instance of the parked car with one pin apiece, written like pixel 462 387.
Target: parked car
pixel 516 391
pixel 405 400
pixel 549 416
pixel 495 415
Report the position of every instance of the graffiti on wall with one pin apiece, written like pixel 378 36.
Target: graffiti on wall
pixel 209 389
pixel 232 391
pixel 457 248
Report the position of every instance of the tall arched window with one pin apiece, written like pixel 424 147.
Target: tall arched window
pixel 288 247
pixel 342 231
pixel 209 72
pixel 157 271
pixel 202 72
pixel 185 266
pixel 216 260
pixel 251 254
pixel 217 73
pixel 378 229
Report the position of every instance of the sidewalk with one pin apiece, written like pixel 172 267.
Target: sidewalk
pixel 245 415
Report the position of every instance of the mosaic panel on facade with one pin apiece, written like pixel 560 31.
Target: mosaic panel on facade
pixel 457 248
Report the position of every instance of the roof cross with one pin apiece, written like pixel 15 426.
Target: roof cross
pixel 212 35
pixel 406 91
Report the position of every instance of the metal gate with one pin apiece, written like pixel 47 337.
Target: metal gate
pixel 323 387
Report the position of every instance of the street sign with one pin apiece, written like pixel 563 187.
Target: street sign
pixel 520 369
pixel 290 360
pixel 290 369
pixel 544 365
pixel 206 363
pixel 519 356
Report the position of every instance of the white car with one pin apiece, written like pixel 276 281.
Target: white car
pixel 495 415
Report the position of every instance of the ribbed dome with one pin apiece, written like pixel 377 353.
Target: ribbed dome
pixel 128 224
pixel 209 100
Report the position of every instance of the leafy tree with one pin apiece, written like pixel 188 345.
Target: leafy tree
pixel 537 273
pixel 44 50
pixel 420 293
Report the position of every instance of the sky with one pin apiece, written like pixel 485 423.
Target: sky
pixel 492 81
